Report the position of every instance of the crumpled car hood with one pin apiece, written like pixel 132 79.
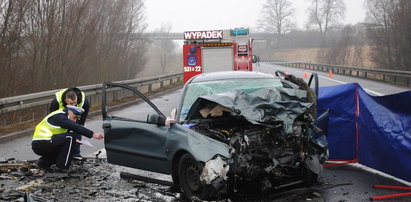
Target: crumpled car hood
pixel 269 107
pixel 271 137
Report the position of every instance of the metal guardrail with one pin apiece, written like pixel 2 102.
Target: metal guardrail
pixel 28 104
pixel 402 78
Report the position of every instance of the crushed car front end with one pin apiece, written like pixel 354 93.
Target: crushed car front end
pixel 269 126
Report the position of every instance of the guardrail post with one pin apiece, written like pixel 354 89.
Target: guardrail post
pixel 150 87
pixel 115 95
pixel 89 100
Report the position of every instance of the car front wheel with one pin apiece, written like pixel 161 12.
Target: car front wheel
pixel 189 171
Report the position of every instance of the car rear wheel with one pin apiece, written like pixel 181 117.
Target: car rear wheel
pixel 189 171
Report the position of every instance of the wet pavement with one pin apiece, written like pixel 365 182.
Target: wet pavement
pixel 93 179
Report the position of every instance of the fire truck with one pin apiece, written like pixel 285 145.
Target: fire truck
pixel 216 50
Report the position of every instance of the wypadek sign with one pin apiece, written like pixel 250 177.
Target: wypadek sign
pixel 215 34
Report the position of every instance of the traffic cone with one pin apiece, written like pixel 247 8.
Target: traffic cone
pixel 330 74
pixel 305 75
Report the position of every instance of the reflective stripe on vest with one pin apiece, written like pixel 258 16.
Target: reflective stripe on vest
pixel 45 130
pixel 59 97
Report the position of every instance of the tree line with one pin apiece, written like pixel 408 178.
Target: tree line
pixel 390 33
pixel 386 31
pixel 52 44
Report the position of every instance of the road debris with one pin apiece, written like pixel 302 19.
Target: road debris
pixel 88 179
pixel 126 175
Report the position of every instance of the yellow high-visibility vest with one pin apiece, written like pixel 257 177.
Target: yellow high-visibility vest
pixel 45 130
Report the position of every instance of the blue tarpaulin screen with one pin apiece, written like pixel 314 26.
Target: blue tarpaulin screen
pixel 384 128
pixel 340 100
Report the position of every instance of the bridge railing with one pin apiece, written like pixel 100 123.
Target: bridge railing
pixel 33 106
pixel 402 78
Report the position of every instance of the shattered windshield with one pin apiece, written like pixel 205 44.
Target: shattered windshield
pixel 196 90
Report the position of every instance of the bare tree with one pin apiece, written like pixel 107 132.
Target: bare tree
pixel 11 43
pixel 389 30
pixel 326 14
pixel 277 17
pixel 347 49
pixel 166 47
pixel 51 44
pixel 339 52
pixel 359 41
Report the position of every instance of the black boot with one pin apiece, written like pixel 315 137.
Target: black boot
pixel 43 164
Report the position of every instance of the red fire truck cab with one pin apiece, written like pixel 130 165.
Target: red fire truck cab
pixel 216 50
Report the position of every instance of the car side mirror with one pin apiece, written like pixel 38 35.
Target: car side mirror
pixel 154 118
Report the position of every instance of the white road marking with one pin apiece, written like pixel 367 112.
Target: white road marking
pixel 341 82
pixel 371 170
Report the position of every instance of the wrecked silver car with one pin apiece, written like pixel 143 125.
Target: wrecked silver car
pixel 234 132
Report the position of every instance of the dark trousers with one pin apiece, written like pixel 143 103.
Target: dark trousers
pixel 59 150
pixel 77 148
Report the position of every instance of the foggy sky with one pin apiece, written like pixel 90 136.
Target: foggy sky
pixel 186 15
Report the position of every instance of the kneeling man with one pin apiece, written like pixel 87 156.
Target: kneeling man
pixel 55 137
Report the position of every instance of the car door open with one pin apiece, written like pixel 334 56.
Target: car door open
pixel 135 136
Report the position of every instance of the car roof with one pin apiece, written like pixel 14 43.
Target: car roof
pixel 227 75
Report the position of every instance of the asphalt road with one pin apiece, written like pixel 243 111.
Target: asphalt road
pixel 340 183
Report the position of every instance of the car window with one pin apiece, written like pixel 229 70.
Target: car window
pixel 138 105
pixel 195 90
pixel 138 112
